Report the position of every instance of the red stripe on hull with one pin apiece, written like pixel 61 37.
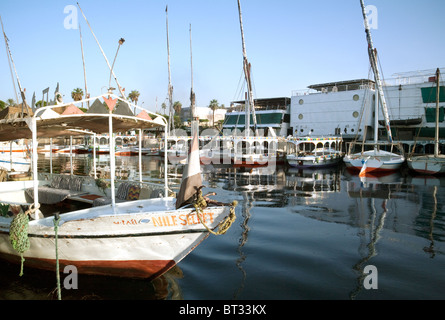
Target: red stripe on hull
pixel 145 269
pixel 375 172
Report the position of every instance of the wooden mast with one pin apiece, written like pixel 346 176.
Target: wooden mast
pixel 170 87
pixel 192 94
pixel 373 59
pixel 84 69
pixel 250 107
pixel 22 93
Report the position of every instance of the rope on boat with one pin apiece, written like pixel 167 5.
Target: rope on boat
pixel 56 227
pixel 200 203
pixel 18 233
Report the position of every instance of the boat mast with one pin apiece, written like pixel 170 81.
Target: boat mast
pixel 373 58
pixel 192 94
pixel 436 139
pixel 22 93
pixel 103 53
pixel 170 87
pixel 250 106
pixel 9 61
pixel 84 70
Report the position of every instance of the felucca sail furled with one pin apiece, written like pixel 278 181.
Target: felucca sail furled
pixel 376 161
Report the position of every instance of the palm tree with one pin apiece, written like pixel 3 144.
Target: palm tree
pixel 213 106
pixel 164 106
pixel 134 96
pixel 77 94
pixel 177 106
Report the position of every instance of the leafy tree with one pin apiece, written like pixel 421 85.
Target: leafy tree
pixel 213 106
pixel 77 94
pixel 164 106
pixel 41 103
pixel 2 105
pixel 177 106
pixel 10 102
pixel 134 96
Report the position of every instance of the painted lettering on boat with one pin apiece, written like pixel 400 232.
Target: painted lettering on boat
pixel 131 222
pixel 181 220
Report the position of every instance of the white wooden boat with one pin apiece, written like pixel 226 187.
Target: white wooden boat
pixel 12 162
pixel 375 160
pixel 427 164
pixel 129 229
pixel 435 163
pixel 315 152
pixel 77 149
pixel 252 149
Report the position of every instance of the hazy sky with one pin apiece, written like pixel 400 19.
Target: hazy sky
pixel 291 44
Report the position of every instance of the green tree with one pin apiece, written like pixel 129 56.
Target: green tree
pixel 164 106
pixel 177 106
pixel 10 102
pixel 134 96
pixel 77 94
pixel 2 105
pixel 41 103
pixel 213 106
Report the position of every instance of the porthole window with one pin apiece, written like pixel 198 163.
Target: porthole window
pixel 301 101
pixel 300 116
pixel 356 97
pixel 355 114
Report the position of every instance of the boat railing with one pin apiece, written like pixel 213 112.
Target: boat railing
pixel 332 88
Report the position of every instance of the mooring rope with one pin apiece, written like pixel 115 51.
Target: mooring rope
pixel 56 227
pixel 18 233
pixel 199 203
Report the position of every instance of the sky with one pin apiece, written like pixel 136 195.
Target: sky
pixel 290 44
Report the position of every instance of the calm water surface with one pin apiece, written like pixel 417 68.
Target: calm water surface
pixel 298 235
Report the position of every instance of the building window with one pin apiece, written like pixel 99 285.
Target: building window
pixel 301 101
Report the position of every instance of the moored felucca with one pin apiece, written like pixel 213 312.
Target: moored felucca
pixel 435 163
pixel 376 160
pixel 129 229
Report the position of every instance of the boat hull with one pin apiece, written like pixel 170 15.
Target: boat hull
pixel 103 241
pixel 427 164
pixel 312 161
pixel 374 162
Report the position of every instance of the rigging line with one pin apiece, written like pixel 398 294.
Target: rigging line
pixel 239 90
pixel 103 53
pixel 383 82
pixel 9 62
pixel 362 111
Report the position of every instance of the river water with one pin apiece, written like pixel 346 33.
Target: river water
pixel 299 235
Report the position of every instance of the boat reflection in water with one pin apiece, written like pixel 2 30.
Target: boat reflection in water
pixel 35 286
